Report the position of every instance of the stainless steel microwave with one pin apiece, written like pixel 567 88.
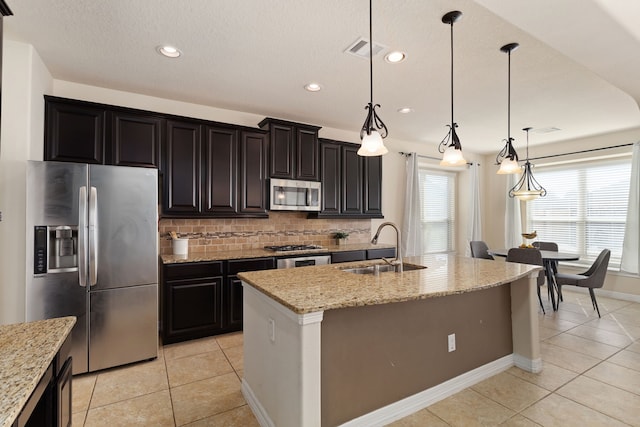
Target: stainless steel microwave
pixel 293 195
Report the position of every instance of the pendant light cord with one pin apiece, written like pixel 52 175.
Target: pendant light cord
pixel 509 98
pixel 452 73
pixel 371 50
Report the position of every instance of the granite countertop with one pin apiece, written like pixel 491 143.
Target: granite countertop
pixel 263 253
pixel 326 287
pixel 26 351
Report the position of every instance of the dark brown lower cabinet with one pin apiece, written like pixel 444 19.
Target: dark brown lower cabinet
pixel 200 299
pixel 50 403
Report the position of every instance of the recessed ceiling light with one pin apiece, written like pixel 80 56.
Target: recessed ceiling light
pixel 169 51
pixel 395 57
pixel 405 110
pixel 313 87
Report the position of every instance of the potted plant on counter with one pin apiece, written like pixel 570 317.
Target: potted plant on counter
pixel 341 237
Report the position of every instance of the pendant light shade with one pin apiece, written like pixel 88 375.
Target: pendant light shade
pixel 527 187
pixel 450 145
pixel 373 130
pixel 507 158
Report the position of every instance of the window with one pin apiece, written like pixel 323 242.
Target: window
pixel 585 208
pixel 437 191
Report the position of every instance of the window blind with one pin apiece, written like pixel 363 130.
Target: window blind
pixel 585 208
pixel 437 191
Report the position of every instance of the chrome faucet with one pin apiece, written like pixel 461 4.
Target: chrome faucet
pixel 398 261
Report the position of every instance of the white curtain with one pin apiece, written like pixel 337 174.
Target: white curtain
pixel 474 229
pixel 411 224
pixel 630 261
pixel 512 218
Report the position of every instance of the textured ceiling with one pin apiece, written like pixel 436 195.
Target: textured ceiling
pixel 576 68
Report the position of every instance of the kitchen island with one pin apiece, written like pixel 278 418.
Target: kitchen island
pixel 27 353
pixel 326 347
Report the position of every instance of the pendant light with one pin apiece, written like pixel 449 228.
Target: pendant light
pixel 527 187
pixel 450 145
pixel 507 158
pixel 373 130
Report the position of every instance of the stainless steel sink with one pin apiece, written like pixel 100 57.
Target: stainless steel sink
pixel 381 268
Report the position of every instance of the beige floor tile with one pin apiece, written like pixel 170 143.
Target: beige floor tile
pixel 551 378
pixel 635 347
pixel 236 417
pixel 149 410
pixel 628 359
pixel 551 321
pixel 574 317
pixel 194 368
pixel 585 310
pixel 202 399
pixel 557 411
pixel 609 400
pixel 233 339
pixel 624 318
pixel 613 325
pixel 190 348
pixel 470 408
pixel 77 419
pixel 519 421
pixel 545 333
pixel 616 375
pixel 605 337
pixel 583 345
pixel 419 419
pixel 128 382
pixel 82 390
pixel 567 359
pixel 510 391
pixel 235 356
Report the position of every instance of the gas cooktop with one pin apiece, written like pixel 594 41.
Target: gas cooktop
pixel 289 248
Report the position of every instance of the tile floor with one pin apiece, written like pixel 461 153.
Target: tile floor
pixel 591 377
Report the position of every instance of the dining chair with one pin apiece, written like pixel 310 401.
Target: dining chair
pixel 549 246
pixel 479 249
pixel 529 256
pixel 591 279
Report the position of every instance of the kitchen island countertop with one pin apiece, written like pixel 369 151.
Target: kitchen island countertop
pixel 327 287
pixel 26 351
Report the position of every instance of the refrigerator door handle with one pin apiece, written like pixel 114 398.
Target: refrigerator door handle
pixel 93 236
pixel 82 236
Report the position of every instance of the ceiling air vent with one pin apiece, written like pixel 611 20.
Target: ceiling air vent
pixel 360 48
pixel 546 130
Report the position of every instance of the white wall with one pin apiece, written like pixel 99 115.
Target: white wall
pixel 25 79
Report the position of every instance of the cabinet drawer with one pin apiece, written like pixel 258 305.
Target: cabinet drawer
pixel 238 265
pixel 347 256
pixel 381 253
pixel 192 270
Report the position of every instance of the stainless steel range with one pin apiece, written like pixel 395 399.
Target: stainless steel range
pixel 301 260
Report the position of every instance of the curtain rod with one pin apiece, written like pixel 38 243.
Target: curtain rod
pixel 582 151
pixel 429 157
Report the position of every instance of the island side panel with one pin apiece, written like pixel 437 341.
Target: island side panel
pixel 526 336
pixel 376 355
pixel 281 377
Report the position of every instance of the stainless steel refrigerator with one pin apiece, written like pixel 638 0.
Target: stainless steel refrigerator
pixel 92 252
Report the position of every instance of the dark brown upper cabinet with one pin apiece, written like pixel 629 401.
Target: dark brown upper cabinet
pixel 87 132
pixel 293 149
pixel 351 184
pixel 214 171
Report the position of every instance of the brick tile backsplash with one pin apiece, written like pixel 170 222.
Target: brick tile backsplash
pixel 281 228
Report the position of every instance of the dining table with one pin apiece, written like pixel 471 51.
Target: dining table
pixel 549 259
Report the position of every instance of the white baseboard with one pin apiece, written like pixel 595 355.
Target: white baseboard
pixel 529 365
pixel 257 409
pixel 411 404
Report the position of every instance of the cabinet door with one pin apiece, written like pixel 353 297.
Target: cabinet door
pixel 252 188
pixel 234 304
pixel 281 151
pixel 194 308
pixel 182 169
pixel 63 395
pixel 220 164
pixel 352 180
pixel 330 177
pixel 74 133
pixel 306 152
pixel 372 189
pixel 135 139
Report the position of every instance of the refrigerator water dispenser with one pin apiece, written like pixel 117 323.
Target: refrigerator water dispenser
pixel 55 249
